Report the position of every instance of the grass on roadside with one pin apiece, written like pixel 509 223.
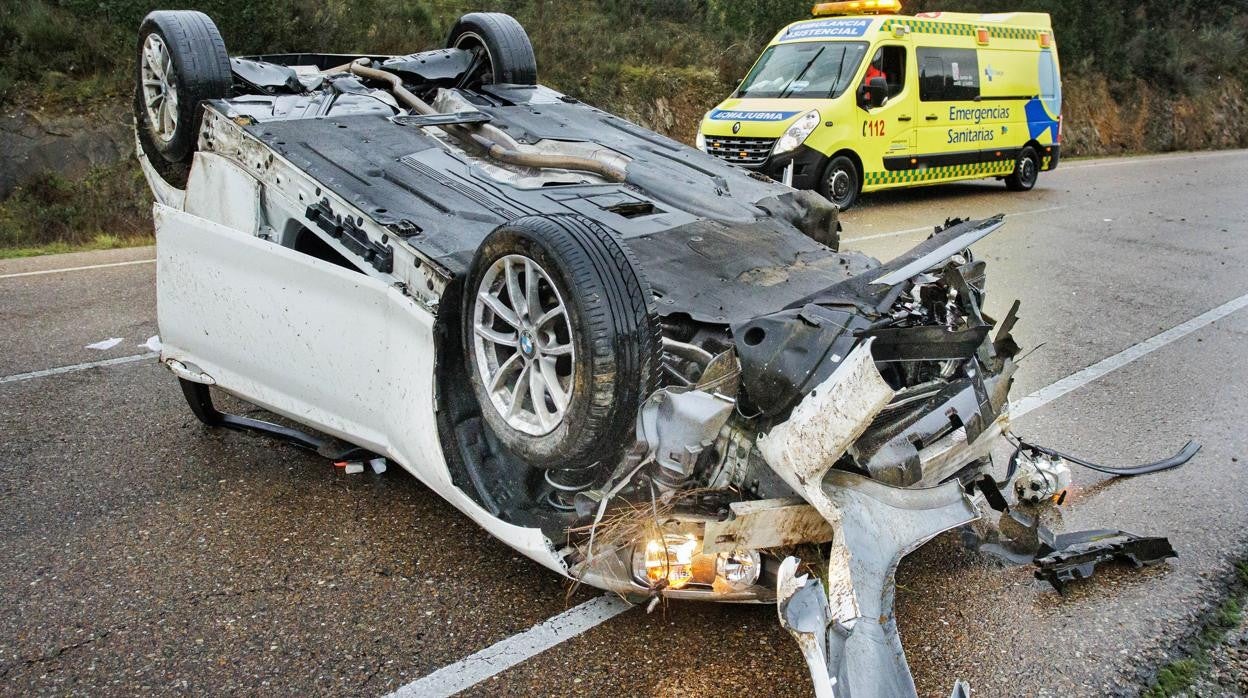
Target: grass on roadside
pixel 99 242
pixel 1179 674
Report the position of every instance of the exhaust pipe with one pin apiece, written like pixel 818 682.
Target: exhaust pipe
pixel 494 142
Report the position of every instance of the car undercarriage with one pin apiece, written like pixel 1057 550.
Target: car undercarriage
pixel 646 369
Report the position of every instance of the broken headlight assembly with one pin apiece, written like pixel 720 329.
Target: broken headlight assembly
pixel 678 561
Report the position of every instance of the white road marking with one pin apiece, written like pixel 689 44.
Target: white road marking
pixel 505 654
pixel 17 378
pixel 68 269
pixel 928 228
pixel 1078 379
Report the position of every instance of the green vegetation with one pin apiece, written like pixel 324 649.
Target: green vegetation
pixel 99 242
pixel 48 47
pixel 1140 75
pixel 107 208
pixel 1177 676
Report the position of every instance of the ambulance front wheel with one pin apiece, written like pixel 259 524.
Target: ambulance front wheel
pixel 1026 170
pixel 841 182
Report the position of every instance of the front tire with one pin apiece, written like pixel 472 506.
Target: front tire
pixel 841 182
pixel 182 62
pixel 1026 170
pixel 562 341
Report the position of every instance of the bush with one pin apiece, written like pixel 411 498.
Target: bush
pixel 48 208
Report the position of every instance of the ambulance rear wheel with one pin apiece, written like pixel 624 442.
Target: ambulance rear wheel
pixel 1026 171
pixel 841 182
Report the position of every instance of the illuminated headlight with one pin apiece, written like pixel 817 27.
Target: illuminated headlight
pixel 796 134
pixel 676 560
pixel 699 140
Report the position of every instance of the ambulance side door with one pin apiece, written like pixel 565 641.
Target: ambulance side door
pixel 888 131
pixel 948 91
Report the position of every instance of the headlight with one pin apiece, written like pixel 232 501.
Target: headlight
pixel 678 559
pixel 796 134
pixel 699 141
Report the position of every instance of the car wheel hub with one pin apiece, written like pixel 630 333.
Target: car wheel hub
pixel 1027 169
pixel 159 90
pixel 522 339
pixel 840 184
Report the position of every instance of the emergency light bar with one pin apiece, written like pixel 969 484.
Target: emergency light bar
pixel 857 7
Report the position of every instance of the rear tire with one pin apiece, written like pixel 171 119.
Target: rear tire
pixel 600 353
pixel 504 52
pixel 182 62
pixel 1026 170
pixel 841 182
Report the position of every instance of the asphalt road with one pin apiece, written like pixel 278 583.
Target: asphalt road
pixel 140 553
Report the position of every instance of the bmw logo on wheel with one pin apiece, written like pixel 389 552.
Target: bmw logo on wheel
pixel 736 128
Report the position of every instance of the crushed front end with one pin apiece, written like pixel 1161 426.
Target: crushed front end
pixel 848 427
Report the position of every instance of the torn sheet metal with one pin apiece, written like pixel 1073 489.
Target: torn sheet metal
pixel 766 523
pixel 949 244
pixel 849 637
pixel 826 422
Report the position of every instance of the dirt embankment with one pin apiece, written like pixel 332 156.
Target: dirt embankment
pixel 1147 120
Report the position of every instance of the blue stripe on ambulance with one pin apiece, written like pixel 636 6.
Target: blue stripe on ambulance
pixel 735 115
pixel 827 29
pixel 1038 119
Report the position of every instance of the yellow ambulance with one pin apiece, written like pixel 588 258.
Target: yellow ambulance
pixel 860 99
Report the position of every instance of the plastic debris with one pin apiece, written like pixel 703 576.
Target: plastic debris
pixel 105 344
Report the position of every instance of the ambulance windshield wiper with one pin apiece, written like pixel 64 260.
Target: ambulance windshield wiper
pixel 788 87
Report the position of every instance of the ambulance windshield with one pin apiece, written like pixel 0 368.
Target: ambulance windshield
pixel 804 70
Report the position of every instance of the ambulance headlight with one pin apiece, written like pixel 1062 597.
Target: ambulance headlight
pixel 796 134
pixel 699 141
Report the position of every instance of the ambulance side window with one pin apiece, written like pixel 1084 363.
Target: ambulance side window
pixel 892 60
pixel 948 74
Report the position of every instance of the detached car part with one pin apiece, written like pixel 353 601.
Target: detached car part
pixel 643 368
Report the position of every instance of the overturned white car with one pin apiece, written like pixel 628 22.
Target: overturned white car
pixel 643 368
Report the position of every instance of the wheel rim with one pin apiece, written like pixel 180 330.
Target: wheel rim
pixel 522 337
pixel 1027 170
pixel 482 62
pixel 160 92
pixel 840 185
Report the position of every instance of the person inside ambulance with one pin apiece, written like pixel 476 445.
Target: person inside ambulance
pixel 888 64
pixel 874 70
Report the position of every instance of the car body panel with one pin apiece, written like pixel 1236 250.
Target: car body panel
pixel 330 348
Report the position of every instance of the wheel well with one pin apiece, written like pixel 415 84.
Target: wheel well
pixel 1036 146
pixel 479 465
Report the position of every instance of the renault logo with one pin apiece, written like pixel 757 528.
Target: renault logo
pixel 736 128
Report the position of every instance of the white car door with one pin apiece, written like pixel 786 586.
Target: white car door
pixel 292 333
